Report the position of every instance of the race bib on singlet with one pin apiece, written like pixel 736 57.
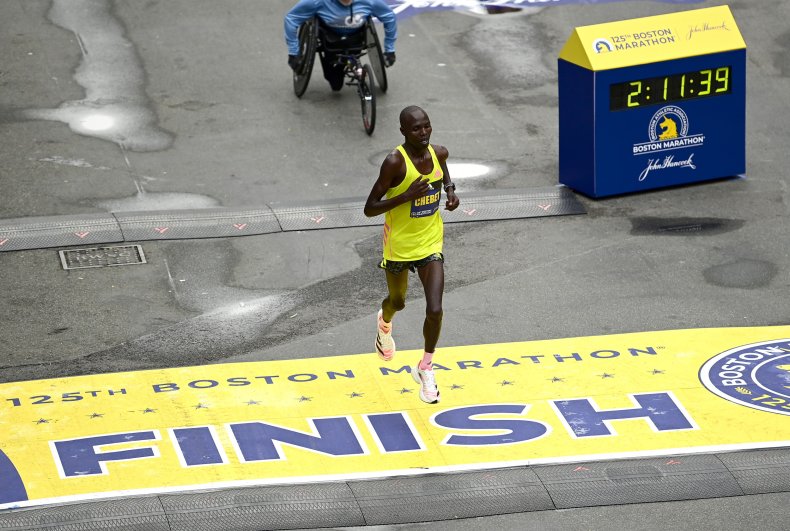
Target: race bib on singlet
pixel 428 204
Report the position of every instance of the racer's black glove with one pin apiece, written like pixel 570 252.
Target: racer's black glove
pixel 389 58
pixel 293 62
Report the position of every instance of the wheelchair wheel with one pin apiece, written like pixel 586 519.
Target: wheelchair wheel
pixel 367 97
pixel 376 55
pixel 308 42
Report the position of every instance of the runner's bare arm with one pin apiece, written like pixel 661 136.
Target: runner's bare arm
pixel 392 172
pixel 452 200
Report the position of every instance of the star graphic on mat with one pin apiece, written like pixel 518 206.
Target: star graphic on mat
pixel 96 415
pixel 148 410
pixel 201 406
pixel 607 375
pixel 506 382
pixel 305 398
pixel 556 379
pixel 42 421
pixel 456 386
pixel 356 395
pixel 252 402
pixel 656 371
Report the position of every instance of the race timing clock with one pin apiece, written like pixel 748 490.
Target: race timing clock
pixel 665 89
pixel 652 102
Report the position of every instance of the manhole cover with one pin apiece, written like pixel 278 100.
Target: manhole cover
pixel 683 226
pixel 102 256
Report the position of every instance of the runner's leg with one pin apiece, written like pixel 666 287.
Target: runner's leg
pixel 432 277
pixel 397 284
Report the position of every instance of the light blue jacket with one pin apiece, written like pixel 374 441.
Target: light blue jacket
pixel 343 20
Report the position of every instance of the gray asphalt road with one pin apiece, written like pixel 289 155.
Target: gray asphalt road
pixel 205 116
pixel 212 121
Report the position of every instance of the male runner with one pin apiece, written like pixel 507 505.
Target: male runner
pixel 408 191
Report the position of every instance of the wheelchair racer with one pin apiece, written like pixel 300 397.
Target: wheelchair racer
pixel 339 19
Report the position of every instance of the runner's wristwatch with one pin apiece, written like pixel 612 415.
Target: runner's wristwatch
pixel 448 186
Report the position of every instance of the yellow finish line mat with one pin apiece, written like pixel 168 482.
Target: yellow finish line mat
pixel 351 417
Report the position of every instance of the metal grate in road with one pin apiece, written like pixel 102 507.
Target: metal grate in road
pixel 116 255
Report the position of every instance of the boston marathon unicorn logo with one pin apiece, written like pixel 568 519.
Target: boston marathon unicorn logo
pixel 602 46
pixel 667 123
pixel 755 376
pixel 669 129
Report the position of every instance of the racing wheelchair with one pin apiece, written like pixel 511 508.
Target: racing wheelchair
pixel 349 51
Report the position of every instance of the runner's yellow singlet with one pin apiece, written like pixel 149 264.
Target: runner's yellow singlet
pixel 415 230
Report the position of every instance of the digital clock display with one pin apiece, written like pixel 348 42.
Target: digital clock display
pixel 665 89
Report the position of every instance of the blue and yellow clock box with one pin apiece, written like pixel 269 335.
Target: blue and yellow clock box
pixel 652 102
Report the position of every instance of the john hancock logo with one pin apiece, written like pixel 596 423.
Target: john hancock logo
pixel 755 376
pixel 668 131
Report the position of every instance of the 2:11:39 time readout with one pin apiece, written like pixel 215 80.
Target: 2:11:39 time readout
pixel 675 87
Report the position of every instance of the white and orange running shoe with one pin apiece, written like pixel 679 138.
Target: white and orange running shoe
pixel 429 391
pixel 385 345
